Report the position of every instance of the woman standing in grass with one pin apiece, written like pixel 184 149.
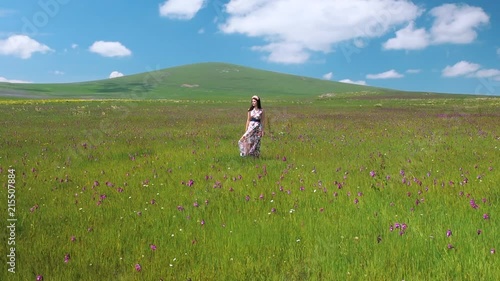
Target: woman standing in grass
pixel 249 143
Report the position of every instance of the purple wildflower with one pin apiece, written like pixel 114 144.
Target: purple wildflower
pixel 450 246
pixel 479 231
pixel 492 251
pixel 448 233
pixel 39 278
pixel 190 183
pixel 153 247
pixel 372 174
pixel 73 239
pixel 195 204
pixel 202 222
pixel 138 267
pixel 66 258
pixel 180 208
pixel 247 198
pixel 486 216
pixel 473 204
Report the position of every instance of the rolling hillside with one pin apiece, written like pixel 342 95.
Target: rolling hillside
pixel 197 81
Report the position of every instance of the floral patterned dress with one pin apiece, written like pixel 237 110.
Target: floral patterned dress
pixel 249 143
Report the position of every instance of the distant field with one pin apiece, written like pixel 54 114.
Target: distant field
pixel 348 187
pixel 202 81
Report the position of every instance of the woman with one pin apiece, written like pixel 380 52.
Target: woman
pixel 249 143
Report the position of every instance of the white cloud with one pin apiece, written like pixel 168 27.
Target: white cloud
pixel 57 72
pixel 115 74
pixel 385 75
pixel 457 23
pixel 487 73
pixel 453 23
pixel 74 46
pixel 181 9
pixel 295 29
pixel 110 49
pixel 358 82
pixel 498 52
pixel 408 38
pixel 413 71
pixel 22 46
pixel 328 76
pixel 460 68
pixel 5 80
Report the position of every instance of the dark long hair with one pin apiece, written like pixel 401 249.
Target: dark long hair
pixel 258 104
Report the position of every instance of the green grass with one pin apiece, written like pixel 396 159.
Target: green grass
pixel 204 81
pixel 308 209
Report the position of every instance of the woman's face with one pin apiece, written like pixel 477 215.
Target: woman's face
pixel 254 102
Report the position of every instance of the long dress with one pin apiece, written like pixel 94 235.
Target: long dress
pixel 249 143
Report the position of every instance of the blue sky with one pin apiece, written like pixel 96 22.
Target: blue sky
pixel 432 45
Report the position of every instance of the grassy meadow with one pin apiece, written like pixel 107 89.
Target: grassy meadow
pixel 345 189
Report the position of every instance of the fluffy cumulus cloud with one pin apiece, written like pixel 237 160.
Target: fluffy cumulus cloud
pixel 457 23
pixel 328 76
pixel 461 68
pixel 358 82
pixel 110 49
pixel 5 80
pixel 471 70
pixel 390 74
pixel 295 29
pixel 487 73
pixel 181 9
pixel 409 38
pixel 22 46
pixel 115 74
pixel 453 24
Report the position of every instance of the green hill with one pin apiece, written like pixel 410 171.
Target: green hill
pixel 197 81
